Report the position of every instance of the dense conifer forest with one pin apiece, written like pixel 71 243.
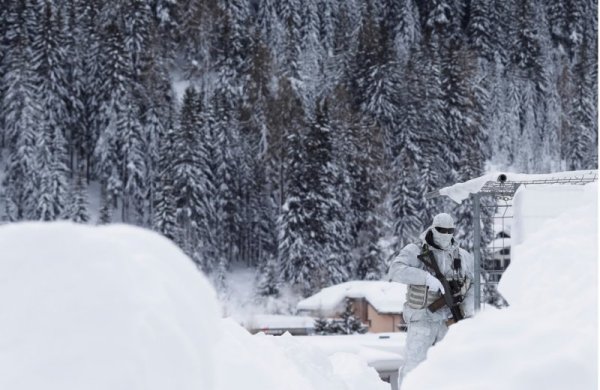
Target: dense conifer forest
pixel 294 137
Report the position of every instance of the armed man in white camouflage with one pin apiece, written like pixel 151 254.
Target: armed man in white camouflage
pixel 430 268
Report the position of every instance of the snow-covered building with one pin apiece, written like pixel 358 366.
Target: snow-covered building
pixel 377 304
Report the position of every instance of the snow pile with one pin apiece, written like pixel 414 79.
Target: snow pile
pixel 279 321
pixel 122 308
pixel 268 362
pixel 382 351
pixel 547 338
pixel 102 308
pixel 385 297
pixel 461 191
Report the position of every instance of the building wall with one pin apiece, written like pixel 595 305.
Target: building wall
pixel 360 308
pixel 379 323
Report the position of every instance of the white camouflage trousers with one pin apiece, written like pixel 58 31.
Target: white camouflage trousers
pixel 421 335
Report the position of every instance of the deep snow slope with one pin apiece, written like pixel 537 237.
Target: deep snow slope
pixel 122 308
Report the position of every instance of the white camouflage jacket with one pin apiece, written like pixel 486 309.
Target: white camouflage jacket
pixel 408 269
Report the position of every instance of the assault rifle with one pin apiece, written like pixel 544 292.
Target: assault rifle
pixel 450 297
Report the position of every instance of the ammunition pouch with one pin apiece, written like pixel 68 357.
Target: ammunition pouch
pixel 420 297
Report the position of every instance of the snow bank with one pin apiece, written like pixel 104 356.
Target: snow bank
pixel 547 338
pixel 382 351
pixel 268 362
pixel 102 308
pixel 278 321
pixel 118 307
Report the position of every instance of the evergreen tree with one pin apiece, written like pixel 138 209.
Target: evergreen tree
pixel 21 112
pixel 78 205
pixel 268 283
pixel 581 138
pixel 186 170
pixel 349 324
pixel 165 218
pixel 48 58
pixel 480 29
pixel 406 198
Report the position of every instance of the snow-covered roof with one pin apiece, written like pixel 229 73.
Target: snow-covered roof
pixel 461 191
pixel 385 297
pixel 277 321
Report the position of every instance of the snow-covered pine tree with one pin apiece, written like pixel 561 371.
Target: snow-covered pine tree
pixel 465 126
pixel 268 279
pixel 86 80
pixel 368 58
pixel 310 256
pixel 159 115
pixel 480 29
pixel 21 114
pixel 403 23
pixel 5 46
pixel 48 59
pixel 331 198
pixel 349 324
pixel 290 17
pixel 77 208
pixel 134 170
pixel 187 172
pixel 115 106
pixel 262 217
pixel 298 263
pixel 321 326
pixel 433 137
pixel 582 136
pixel 75 129
pixel 138 36
pixel 358 154
pixel 164 211
pixel 406 200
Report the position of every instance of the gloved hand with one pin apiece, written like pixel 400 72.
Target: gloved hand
pixel 434 284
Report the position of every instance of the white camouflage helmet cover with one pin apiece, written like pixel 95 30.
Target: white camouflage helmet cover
pixel 442 220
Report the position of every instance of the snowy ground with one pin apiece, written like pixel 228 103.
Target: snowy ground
pixel 117 307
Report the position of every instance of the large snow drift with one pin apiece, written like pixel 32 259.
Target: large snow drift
pixel 121 308
pixel 102 308
pixel 547 338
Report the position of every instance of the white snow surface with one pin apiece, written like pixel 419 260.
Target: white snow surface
pixel 461 191
pixel 272 321
pixel 385 297
pixel 547 338
pixel 383 351
pixel 285 362
pixel 102 308
pixel 118 307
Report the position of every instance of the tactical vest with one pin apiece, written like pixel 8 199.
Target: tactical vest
pixel 420 297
